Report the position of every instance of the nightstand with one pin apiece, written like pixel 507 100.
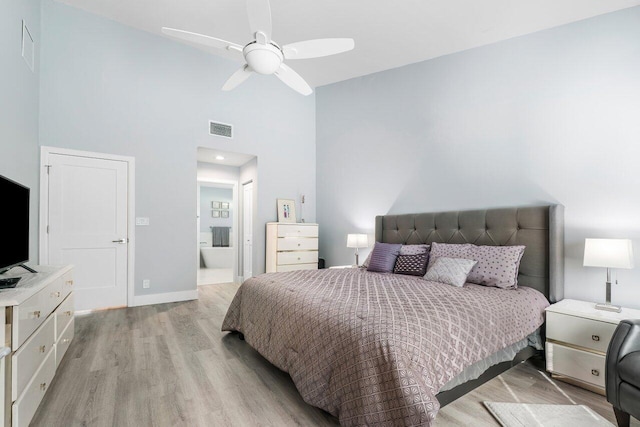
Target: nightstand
pixel 578 336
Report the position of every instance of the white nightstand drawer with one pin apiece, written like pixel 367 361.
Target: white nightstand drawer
pixel 297 244
pixel 577 364
pixel 587 333
pixel 33 312
pixel 294 267
pixel 295 230
pixel 297 257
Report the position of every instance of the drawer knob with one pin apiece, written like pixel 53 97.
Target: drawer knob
pixel 595 372
pixel 43 386
pixel 595 337
pixel 298 244
pixel 36 314
pixel 66 340
pixel 42 348
pixel 55 294
pixel 298 258
pixel 70 282
pixel 68 313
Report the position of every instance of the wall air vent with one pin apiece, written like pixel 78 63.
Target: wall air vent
pixel 221 129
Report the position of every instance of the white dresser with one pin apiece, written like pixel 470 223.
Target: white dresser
pixel 291 247
pixel 578 336
pixel 38 328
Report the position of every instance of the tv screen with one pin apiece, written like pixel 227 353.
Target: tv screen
pixel 14 217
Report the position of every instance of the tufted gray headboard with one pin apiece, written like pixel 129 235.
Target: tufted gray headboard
pixel 539 228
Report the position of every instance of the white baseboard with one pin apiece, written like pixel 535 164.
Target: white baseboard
pixel 139 300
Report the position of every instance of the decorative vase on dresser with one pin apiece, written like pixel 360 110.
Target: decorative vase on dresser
pixel 37 330
pixel 291 247
pixel 578 336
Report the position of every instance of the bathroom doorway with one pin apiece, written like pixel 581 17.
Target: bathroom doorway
pixel 220 219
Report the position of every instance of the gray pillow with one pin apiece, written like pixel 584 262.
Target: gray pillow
pixel 414 249
pixel 497 265
pixel 450 271
pixel 383 257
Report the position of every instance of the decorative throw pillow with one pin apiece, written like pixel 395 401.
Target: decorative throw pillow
pixel 383 257
pixel 414 249
pixel 497 265
pixel 450 271
pixel 412 265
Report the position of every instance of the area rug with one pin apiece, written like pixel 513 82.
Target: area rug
pixel 529 415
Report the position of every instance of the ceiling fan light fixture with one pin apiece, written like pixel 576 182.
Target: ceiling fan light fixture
pixel 263 59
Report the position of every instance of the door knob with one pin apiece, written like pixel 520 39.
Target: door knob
pixel 120 241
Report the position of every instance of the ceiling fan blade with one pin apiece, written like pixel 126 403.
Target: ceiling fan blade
pixel 238 77
pixel 201 39
pixel 293 80
pixel 259 12
pixel 317 48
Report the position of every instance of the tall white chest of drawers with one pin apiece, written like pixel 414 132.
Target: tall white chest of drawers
pixel 291 247
pixel 578 336
pixel 38 328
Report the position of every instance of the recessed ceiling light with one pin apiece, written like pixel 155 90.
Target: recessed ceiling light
pixel 219 157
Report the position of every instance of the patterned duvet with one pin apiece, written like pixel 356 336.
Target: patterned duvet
pixel 375 348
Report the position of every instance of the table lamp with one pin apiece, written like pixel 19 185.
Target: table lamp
pixel 608 253
pixel 357 241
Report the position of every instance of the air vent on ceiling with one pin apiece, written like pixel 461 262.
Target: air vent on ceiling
pixel 221 129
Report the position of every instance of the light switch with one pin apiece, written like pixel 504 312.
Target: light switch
pixel 142 221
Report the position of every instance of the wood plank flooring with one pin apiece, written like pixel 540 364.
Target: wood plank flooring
pixel 169 365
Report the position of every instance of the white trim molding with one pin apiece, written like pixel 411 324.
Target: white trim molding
pixel 164 298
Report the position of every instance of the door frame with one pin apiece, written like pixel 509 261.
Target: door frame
pixel 253 228
pixel 228 184
pixel 45 151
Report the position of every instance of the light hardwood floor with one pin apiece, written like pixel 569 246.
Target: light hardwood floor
pixel 169 365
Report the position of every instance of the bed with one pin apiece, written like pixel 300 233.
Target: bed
pixel 387 349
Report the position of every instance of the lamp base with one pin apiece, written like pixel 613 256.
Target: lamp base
pixel 609 307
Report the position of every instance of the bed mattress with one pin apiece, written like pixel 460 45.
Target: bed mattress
pixel 375 348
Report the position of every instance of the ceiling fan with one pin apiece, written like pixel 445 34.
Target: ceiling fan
pixel 264 56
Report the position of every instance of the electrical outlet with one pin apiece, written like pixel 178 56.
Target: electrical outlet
pixel 146 283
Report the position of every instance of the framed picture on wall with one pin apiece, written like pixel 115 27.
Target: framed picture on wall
pixel 224 214
pixel 286 210
pixel 215 205
pixel 224 205
pixel 215 214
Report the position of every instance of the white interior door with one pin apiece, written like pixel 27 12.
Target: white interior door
pixel 88 227
pixel 247 230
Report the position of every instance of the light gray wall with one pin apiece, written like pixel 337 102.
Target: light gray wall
pixel 109 88
pixel 19 93
pixel 552 117
pixel 212 194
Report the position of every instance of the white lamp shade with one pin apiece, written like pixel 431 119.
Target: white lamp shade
pixel 610 253
pixel 357 241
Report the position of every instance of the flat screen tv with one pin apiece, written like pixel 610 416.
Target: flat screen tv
pixel 14 218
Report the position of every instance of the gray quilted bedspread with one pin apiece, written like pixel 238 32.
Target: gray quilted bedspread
pixel 375 348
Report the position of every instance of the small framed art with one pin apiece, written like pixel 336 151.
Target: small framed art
pixel 215 205
pixel 286 210
pixel 224 205
pixel 215 214
pixel 224 214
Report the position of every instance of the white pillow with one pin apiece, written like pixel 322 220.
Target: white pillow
pixel 450 271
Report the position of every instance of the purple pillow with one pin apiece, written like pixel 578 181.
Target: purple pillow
pixel 383 257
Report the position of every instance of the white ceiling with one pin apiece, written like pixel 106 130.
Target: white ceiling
pixel 209 155
pixel 387 34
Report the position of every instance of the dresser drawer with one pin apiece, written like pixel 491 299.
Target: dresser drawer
pixel 26 361
pixel 297 244
pixel 33 312
pixel 64 342
pixel 577 364
pixel 64 315
pixel 579 331
pixel 294 230
pixel 24 408
pixel 297 257
pixel 294 267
